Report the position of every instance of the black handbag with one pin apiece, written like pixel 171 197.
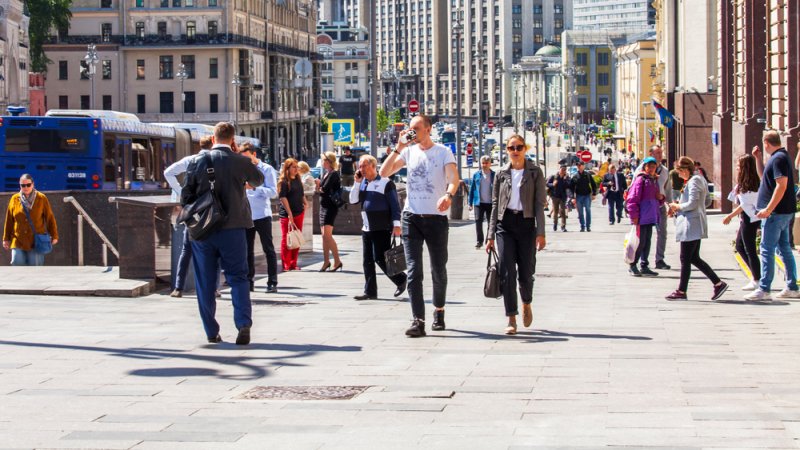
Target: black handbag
pixel 337 197
pixel 395 259
pixel 205 215
pixel 493 285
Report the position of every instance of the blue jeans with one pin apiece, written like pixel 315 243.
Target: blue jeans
pixel 21 257
pixel 184 260
pixel 584 204
pixel 432 230
pixel 775 236
pixel 229 246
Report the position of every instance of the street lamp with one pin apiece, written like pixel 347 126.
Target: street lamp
pixel 458 28
pixel 182 75
pixel 500 71
pixel 516 98
pixel 236 82
pixel 479 57
pixel 572 73
pixel 644 132
pixel 91 59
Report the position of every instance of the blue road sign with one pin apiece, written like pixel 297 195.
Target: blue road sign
pixel 452 146
pixel 470 160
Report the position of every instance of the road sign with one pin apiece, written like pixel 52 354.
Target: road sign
pixel 451 146
pixel 585 156
pixel 413 106
pixel 470 159
pixel 342 130
pixel 490 124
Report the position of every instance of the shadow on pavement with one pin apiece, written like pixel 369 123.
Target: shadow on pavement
pixel 538 336
pixel 255 366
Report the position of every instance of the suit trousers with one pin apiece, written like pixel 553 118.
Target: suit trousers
pixel 516 248
pixel 264 229
pixel 373 246
pixel 615 201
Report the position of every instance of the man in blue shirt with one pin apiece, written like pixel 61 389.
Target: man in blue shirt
pixel 261 210
pixel 480 196
pixel 776 207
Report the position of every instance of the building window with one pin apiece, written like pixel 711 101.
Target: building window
pixel 581 80
pixel 212 2
pixel 558 9
pixel 558 23
pixel 140 69
pixel 213 103
pixel 140 104
pixel 188 65
pixel 189 3
pixel 84 70
pixel 63 102
pixel 537 23
pixel 105 31
pixel 602 59
pixel 188 103
pixel 165 3
pixel 191 30
pixel 140 30
pixel 212 29
pixel 106 66
pixel 213 68
pixel 602 79
pixel 166 103
pixel 162 29
pixel 63 70
pixel 140 3
pixel 537 9
pixel 517 23
pixel 581 59
pixel 538 38
pixel 516 9
pixel 165 67
pixel 583 103
pixel 517 38
pixel 85 102
pixel 105 3
pixel 107 103
pixel 176 3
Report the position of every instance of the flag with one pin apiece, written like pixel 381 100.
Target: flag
pixel 651 134
pixel 664 116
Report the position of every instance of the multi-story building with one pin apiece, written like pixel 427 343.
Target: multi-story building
pixel 345 72
pixel 349 12
pixel 537 86
pixel 622 15
pixel 196 61
pixel 14 57
pixel 757 81
pixel 636 120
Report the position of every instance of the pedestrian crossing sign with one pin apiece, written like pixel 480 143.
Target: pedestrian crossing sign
pixel 342 131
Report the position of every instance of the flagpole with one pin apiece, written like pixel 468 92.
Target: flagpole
pixel 644 142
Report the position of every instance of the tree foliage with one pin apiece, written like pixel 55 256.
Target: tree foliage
pixel 396 116
pixel 327 113
pixel 381 120
pixel 45 15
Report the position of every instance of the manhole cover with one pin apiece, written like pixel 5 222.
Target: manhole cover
pixel 303 392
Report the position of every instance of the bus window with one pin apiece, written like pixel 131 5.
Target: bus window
pixel 141 162
pixel 74 142
pixel 109 164
pixel 123 156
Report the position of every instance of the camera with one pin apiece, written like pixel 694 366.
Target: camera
pixel 408 137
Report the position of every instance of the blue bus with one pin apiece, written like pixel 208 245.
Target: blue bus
pixel 93 150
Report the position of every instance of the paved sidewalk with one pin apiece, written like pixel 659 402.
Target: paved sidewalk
pixel 609 362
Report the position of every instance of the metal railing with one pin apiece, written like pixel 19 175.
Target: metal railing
pixel 83 216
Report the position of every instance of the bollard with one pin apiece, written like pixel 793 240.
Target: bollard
pixel 80 240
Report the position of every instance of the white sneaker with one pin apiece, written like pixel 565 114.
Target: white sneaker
pixel 788 293
pixel 758 296
pixel 751 286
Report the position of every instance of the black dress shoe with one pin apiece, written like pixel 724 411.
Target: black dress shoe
pixel 272 288
pixel 662 265
pixel 417 328
pixel 244 336
pixel 215 340
pixel 252 286
pixel 365 297
pixel 438 320
pixel 402 288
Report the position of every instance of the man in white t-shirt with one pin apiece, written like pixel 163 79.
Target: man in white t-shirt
pixel 431 184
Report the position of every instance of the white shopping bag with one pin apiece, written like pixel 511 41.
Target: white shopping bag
pixel 631 244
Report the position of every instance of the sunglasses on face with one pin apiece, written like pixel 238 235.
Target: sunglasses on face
pixel 516 148
pixel 25 185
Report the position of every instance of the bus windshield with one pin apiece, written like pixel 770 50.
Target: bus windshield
pixel 74 142
pixel 448 136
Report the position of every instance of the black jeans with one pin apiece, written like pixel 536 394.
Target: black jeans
pixel 643 250
pixel 483 210
pixel 374 246
pixel 614 200
pixel 690 256
pixel 746 245
pixel 516 248
pixel 264 229
pixel 433 231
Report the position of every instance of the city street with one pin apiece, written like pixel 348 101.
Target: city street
pixel 608 362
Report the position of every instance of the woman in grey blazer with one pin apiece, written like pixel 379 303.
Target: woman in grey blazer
pixel 691 225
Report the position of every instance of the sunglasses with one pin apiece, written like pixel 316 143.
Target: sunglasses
pixel 25 185
pixel 516 148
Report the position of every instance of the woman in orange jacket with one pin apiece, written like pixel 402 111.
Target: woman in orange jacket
pixel 18 236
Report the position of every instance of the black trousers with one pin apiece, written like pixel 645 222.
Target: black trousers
pixel 483 210
pixel 746 245
pixel 643 250
pixel 615 200
pixel 690 256
pixel 516 248
pixel 374 246
pixel 433 231
pixel 264 229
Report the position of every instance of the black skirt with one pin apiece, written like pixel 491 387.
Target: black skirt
pixel 327 215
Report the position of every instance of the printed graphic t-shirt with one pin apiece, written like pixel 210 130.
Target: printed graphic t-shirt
pixel 427 178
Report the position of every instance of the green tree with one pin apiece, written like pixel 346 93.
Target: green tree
pixel 327 113
pixel 45 15
pixel 381 120
pixel 396 116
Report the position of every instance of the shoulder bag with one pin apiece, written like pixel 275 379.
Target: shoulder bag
pixel 42 243
pixel 395 259
pixel 492 285
pixel 205 215
pixel 294 237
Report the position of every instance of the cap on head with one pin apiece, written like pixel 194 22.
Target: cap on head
pixel 649 160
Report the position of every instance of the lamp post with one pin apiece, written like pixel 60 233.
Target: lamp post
pixel 182 75
pixel 457 30
pixel 500 71
pixel 236 82
pixel 479 57
pixel 644 131
pixel 373 81
pixel 572 73
pixel 516 99
pixel 91 59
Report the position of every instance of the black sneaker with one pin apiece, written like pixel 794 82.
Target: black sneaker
pixel 583 229
pixel 662 265
pixel 634 271
pixel 215 340
pixel 646 272
pixel 438 320
pixel 365 297
pixel 564 229
pixel 588 230
pixel 619 219
pixel 272 288
pixel 417 328
pixel 244 336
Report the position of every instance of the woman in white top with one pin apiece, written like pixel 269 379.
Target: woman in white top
pixel 746 195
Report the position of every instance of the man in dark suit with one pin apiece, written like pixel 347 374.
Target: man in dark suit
pixel 615 185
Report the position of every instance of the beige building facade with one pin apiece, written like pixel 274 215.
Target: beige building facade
pixel 250 62
pixel 636 65
pixel 14 57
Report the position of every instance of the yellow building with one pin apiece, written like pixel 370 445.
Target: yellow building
pixel 636 68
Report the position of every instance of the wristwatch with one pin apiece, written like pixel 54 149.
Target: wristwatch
pixel 449 195
pixel 396 151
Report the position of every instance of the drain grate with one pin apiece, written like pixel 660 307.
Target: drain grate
pixel 303 392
